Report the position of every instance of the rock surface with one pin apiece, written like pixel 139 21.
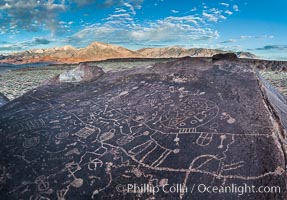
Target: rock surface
pixel 3 100
pixel 225 56
pixel 83 73
pixel 188 122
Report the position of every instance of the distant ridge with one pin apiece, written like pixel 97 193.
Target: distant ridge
pixel 102 51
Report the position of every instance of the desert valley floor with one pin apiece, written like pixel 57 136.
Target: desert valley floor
pixel 17 82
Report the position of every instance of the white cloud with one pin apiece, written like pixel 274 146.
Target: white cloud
pixel 120 10
pixel 193 9
pixel 119 16
pixel 235 8
pixel 248 37
pixel 245 37
pixel 166 31
pixel 32 15
pixel 185 19
pixel 229 41
pixel 268 36
pixel 161 31
pixel 19 46
pixel 122 28
pixel 210 17
pixel 175 11
pixel 224 4
pixel 213 15
pixel 131 7
pixel 222 17
pixel 228 12
pixel 274 47
pixel 106 3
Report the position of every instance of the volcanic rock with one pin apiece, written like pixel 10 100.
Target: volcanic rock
pixel 3 99
pixel 162 132
pixel 83 73
pixel 224 56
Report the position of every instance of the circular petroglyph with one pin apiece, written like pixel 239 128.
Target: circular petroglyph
pixel 62 135
pixel 146 133
pixel 176 151
pixel 78 182
pixel 279 170
pixel 191 113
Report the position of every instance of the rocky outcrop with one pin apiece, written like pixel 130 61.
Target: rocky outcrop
pixel 83 73
pixel 183 126
pixel 225 56
pixel 3 99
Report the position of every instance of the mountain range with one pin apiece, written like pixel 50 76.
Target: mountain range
pixel 102 51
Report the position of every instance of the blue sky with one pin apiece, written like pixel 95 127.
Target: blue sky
pixel 256 26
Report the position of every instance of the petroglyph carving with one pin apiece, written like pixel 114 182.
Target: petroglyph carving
pixel 222 138
pixel 85 132
pixel 279 170
pixel 61 194
pixel 107 135
pixel 73 151
pixel 233 166
pixel 61 136
pixel 42 184
pixel 31 142
pixel 228 118
pixel 78 182
pixel 204 139
pixel 191 112
pixel 125 140
pixel 93 164
pixel 30 124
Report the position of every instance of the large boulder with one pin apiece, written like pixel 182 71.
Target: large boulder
pixel 83 73
pixel 225 56
pixel 3 99
pixel 186 129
